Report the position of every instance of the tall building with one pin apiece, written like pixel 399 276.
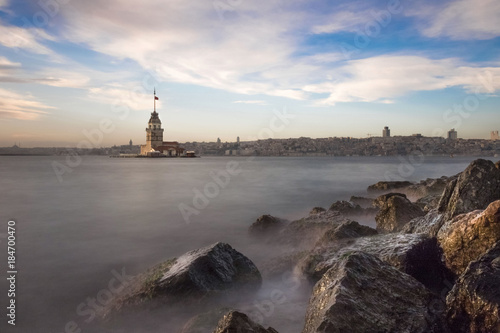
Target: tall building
pixel 494 135
pixel 386 133
pixel 238 139
pixel 154 138
pixel 452 134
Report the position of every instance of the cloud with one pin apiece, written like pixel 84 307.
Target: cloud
pixel 25 39
pixel 383 78
pixel 459 20
pixel 258 102
pixel 131 96
pixel 20 106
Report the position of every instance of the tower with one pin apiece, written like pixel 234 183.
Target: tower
pixel 154 132
pixel 386 133
pixel 452 134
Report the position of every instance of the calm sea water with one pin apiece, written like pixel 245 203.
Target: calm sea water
pixel 123 214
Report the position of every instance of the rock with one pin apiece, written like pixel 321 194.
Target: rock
pixel 475 188
pixel 317 210
pixel 415 254
pixel 362 201
pixel 429 202
pixel 204 322
pixel 468 236
pixel 395 213
pixel 380 201
pixel 345 208
pixel 388 185
pixel 361 293
pixel 428 224
pixel 428 187
pixel 304 233
pixel 266 225
pixel 347 229
pixel 237 322
pixel 215 269
pixel 474 302
pixel 497 165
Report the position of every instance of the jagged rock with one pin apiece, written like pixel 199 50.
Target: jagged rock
pixel 348 229
pixel 388 185
pixel 380 201
pixel 361 293
pixel 208 271
pixel 237 322
pixel 204 322
pixel 415 254
pixel 345 208
pixel 427 187
pixel 304 233
pixel 474 302
pixel 362 201
pixel 429 202
pixel 317 210
pixel 428 224
pixel 395 213
pixel 475 188
pixel 468 236
pixel 266 225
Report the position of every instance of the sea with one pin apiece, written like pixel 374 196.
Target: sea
pixel 82 221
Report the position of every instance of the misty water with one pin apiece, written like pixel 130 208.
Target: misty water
pixel 123 215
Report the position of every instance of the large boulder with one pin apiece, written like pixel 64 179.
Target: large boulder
pixel 395 212
pixel 362 201
pixel 474 302
pixel 237 322
pixel 361 293
pixel 347 229
pixel 428 224
pixel 217 269
pixel 388 185
pixel 475 188
pixel 266 225
pixel 468 236
pixel 346 207
pixel 415 254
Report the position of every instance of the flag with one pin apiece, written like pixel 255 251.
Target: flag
pixel 156 98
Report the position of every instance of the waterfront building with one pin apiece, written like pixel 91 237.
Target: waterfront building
pixel 386 133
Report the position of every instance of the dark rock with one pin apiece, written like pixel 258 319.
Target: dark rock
pixel 266 225
pixel 304 233
pixel 474 302
pixel 237 322
pixel 468 236
pixel 428 187
pixel 362 201
pixel 429 202
pixel 395 213
pixel 348 229
pixel 497 165
pixel 415 254
pixel 345 208
pixel 475 188
pixel 361 293
pixel 428 224
pixel 380 201
pixel 216 269
pixel 204 322
pixel 388 185
pixel 317 210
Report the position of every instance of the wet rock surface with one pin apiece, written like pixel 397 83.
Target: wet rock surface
pixel 395 212
pixel 474 302
pixel 267 225
pixel 388 185
pixel 361 293
pixel 475 188
pixel 428 224
pixel 237 322
pixel 468 236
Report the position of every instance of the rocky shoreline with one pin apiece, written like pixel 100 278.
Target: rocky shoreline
pixel 432 264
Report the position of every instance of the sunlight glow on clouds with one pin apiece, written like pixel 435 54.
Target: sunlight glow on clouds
pixel 20 106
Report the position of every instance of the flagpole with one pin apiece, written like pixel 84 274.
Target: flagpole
pixel 154 98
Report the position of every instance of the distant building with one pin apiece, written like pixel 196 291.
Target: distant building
pixel 417 135
pixel 238 139
pixel 494 135
pixel 218 140
pixel 130 143
pixel 386 133
pixel 155 146
pixel 452 134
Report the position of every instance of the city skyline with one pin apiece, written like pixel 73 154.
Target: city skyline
pixel 229 68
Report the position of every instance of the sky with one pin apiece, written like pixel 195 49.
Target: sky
pixel 74 71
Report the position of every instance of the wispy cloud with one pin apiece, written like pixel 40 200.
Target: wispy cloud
pixel 383 78
pixel 252 102
pixel 25 39
pixel 21 106
pixel 459 20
